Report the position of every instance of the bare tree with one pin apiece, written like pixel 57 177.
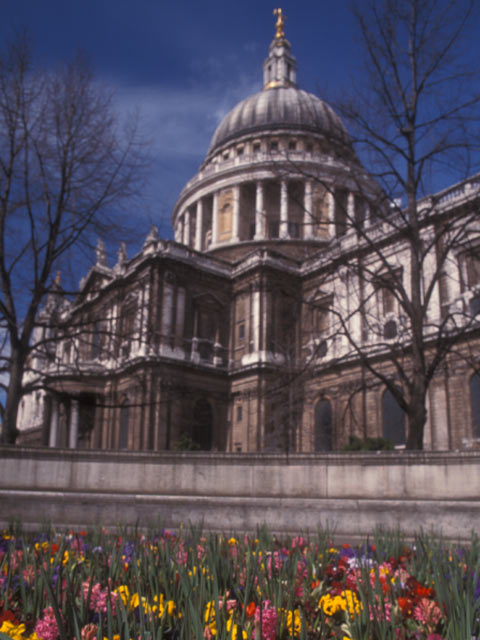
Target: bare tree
pixel 414 119
pixel 64 162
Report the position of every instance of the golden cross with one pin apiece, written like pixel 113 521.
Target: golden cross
pixel 279 24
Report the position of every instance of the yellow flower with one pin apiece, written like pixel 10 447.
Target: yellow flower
pixel 330 605
pixel 348 600
pixel 294 623
pixel 209 617
pixel 124 593
pixel 12 630
pixel 66 556
pixel 209 611
pixel 233 628
pixel 353 604
pixel 232 542
pixel 135 602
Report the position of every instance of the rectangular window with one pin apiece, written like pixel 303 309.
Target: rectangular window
pixel 472 269
pixel 241 332
pixel 341 212
pixel 239 413
pixel 256 146
pixel 388 301
pixel 274 145
pixel 292 145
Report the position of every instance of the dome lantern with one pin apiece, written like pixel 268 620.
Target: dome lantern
pixel 280 68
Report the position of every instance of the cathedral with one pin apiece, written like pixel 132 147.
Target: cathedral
pixel 234 336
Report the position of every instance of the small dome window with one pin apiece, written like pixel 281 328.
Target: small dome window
pixel 292 145
pixel 274 145
pixel 256 146
pixel 390 330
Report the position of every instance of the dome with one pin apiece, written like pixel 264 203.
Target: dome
pixel 276 109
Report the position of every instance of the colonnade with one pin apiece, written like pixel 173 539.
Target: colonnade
pixel 54 439
pixel 190 226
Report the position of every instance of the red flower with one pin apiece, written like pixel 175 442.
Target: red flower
pixel 8 616
pixel 406 606
pixel 251 608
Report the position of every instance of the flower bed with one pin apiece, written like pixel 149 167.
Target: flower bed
pixel 190 585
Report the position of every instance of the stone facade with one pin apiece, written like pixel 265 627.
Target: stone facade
pixel 233 335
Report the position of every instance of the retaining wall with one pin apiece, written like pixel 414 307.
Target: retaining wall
pixel 351 493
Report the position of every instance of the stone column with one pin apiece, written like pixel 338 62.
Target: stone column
pixel 259 213
pixel 179 233
pixel 429 273
pixel 186 228
pixel 167 313
pixel 236 214
pixel 180 319
pixel 195 355
pixel 256 320
pixel 351 220
pixel 331 213
pixel 308 211
pixel 215 219
pixel 199 226
pixel 283 209
pixel 53 435
pixel 73 435
pixel 143 337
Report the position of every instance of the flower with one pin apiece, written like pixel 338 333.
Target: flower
pixel 89 632
pixel 428 613
pixel 268 616
pixel 234 629
pixel 47 627
pixel 294 623
pixel 15 631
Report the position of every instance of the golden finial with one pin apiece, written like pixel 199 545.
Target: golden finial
pixel 58 277
pixel 279 24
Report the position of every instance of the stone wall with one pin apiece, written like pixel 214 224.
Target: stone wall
pixel 349 493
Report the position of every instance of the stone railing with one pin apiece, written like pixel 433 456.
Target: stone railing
pixel 350 493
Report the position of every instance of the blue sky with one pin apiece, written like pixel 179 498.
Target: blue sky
pixel 183 64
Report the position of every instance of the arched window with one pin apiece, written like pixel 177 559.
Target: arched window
pixel 202 432
pixel 393 418
pixel 323 426
pixel 124 419
pixel 475 404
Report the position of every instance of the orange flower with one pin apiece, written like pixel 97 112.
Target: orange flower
pixel 251 608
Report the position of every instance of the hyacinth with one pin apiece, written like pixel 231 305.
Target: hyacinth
pixel 99 597
pixel 47 627
pixel 269 619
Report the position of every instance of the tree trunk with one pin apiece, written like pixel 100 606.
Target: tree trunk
pixel 14 395
pixel 417 414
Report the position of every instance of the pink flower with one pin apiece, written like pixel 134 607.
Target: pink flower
pixel 379 611
pixel 428 613
pixel 99 597
pixel 89 632
pixel 47 628
pixel 269 620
